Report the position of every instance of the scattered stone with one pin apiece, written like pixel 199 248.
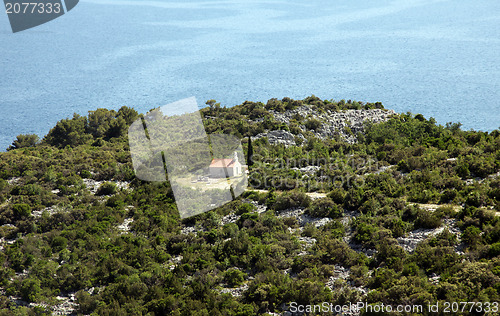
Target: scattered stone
pixel 316 195
pixel 93 185
pixel 304 219
pixel 14 180
pixel 51 210
pixel 380 170
pixel 231 218
pixel 308 170
pixel 434 279
pixel 413 238
pixel 125 226
pixel 345 124
pixel 174 262
pixel 307 242
pixel 67 307
pixel 279 137
pixel 259 208
pixel 340 278
pixel 186 230
pixel 469 182
pixel 235 292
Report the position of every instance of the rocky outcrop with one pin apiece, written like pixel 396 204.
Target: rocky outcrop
pixel 279 137
pixel 413 238
pixel 344 124
pixel 235 292
pixel 302 218
pixel 125 226
pixel 93 185
pixel 351 122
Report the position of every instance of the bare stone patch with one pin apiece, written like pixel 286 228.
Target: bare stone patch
pixel 345 124
pixel 14 180
pixel 303 218
pixel 413 238
pixel 174 262
pixel 341 279
pixel 93 185
pixel 125 226
pixel 51 210
pixel 235 292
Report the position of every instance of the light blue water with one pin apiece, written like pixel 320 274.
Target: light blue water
pixel 438 58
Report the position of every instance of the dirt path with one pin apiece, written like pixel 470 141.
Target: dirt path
pixel 312 195
pixel 433 207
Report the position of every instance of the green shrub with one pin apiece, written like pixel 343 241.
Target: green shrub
pixel 245 208
pixel 86 303
pixel 115 201
pixel 28 189
pixel 324 207
pixel 22 141
pixel 471 236
pixel 426 219
pixel 85 174
pixel 234 277
pixel 494 250
pixel 21 210
pixel 364 233
pixel 337 195
pixel 445 211
pixel 30 290
pixel 291 199
pixel 59 243
pixel 475 199
pixel 448 195
pixel 313 124
pixel 107 188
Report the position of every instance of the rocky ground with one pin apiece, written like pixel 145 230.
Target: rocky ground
pixel 341 277
pixel 68 306
pixel 66 301
pixel 344 124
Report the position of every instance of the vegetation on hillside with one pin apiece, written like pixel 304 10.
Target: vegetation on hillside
pixel 64 201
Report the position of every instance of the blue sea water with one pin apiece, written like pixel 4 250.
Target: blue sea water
pixel 435 57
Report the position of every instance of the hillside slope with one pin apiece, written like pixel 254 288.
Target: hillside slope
pixel 348 202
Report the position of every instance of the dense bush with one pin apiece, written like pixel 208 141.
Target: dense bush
pixel 23 141
pixel 127 251
pixel 107 188
pixel 324 207
pixel 291 199
pixel 21 210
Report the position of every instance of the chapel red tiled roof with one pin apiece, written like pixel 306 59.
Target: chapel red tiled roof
pixel 222 163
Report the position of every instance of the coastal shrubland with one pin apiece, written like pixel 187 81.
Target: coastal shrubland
pixel 395 210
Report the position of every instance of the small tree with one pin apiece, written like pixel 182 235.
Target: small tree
pixel 107 188
pixel 471 236
pixel 21 210
pixel 214 106
pixel 250 152
pixel 234 277
pixel 22 141
pixel 313 124
pixel 59 243
pixel 324 207
pixel 30 290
